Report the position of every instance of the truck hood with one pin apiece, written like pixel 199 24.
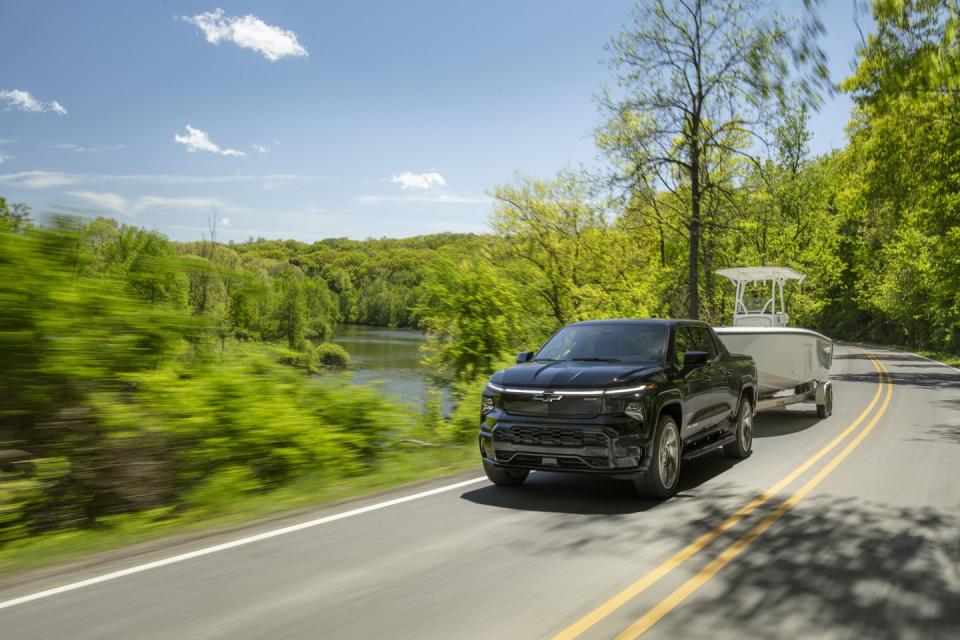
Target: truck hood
pixel 570 374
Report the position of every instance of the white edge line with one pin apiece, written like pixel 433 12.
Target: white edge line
pixel 230 545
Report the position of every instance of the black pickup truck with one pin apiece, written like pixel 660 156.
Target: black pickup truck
pixel 627 398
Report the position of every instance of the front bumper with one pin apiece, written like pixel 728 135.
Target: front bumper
pixel 553 447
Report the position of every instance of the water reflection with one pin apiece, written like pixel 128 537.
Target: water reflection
pixel 390 359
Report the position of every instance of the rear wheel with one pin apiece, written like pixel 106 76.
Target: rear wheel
pixel 742 446
pixel 661 479
pixel 505 477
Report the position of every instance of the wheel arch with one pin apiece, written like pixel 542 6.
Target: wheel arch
pixel 750 393
pixel 674 409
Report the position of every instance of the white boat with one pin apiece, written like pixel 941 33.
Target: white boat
pixel 788 359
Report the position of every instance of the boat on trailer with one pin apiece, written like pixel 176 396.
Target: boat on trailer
pixel 793 364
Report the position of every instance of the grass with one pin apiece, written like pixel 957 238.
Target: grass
pixel 949 359
pixel 58 547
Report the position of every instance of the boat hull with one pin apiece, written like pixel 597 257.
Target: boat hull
pixel 786 358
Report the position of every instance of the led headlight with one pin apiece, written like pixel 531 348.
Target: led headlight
pixel 634 409
pixel 634 389
pixel 486 405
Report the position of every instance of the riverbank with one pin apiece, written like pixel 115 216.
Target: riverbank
pixel 391 360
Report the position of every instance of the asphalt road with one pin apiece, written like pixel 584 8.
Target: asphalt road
pixel 855 534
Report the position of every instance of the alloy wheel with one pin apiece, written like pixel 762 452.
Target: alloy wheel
pixel 669 457
pixel 746 427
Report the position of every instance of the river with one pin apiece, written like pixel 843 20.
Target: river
pixel 389 359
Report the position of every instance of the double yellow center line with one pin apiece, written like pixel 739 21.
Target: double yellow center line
pixel 652 616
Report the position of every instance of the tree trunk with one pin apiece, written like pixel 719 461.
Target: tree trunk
pixel 663 244
pixel 693 294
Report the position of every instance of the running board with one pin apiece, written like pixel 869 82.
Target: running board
pixel 706 444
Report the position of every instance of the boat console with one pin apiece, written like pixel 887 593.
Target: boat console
pixel 764 310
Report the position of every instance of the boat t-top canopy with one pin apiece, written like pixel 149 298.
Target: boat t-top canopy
pixel 761 274
pixel 760 312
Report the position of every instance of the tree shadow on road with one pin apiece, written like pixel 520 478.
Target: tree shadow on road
pixel 940 433
pixel 919 379
pixel 846 568
pixel 891 356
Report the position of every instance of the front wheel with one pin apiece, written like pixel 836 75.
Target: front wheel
pixel 505 477
pixel 742 446
pixel 661 479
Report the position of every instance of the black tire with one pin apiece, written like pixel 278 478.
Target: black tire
pixel 661 479
pixel 505 477
pixel 825 410
pixel 742 446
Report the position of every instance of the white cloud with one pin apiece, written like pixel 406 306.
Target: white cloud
pixel 225 222
pixel 103 199
pixel 117 203
pixel 191 202
pixel 198 140
pixel 410 180
pixel 248 32
pixel 69 146
pixel 38 179
pixel 439 198
pixel 23 101
pixel 45 179
pixel 261 148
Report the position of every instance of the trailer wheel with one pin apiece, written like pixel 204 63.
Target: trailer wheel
pixel 742 446
pixel 825 409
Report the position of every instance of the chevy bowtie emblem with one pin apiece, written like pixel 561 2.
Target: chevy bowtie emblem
pixel 547 396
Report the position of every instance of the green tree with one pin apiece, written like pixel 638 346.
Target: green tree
pixel 698 78
pixel 903 174
pixel 291 311
pixel 556 238
pixel 15 217
pixel 471 313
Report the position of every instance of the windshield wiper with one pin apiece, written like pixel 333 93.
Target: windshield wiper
pixel 595 359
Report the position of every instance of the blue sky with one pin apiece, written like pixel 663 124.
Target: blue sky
pixel 355 119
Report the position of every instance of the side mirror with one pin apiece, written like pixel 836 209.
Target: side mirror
pixel 524 356
pixel 694 359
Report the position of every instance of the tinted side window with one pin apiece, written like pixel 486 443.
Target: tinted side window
pixel 684 342
pixel 703 341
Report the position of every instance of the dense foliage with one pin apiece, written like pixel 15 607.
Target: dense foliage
pixel 874 226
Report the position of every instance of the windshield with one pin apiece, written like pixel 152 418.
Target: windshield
pixel 607 343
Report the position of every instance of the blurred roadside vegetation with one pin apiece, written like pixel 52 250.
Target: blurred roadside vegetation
pixel 144 381
pixel 146 385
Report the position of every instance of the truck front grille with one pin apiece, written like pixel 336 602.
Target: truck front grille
pixel 571 437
